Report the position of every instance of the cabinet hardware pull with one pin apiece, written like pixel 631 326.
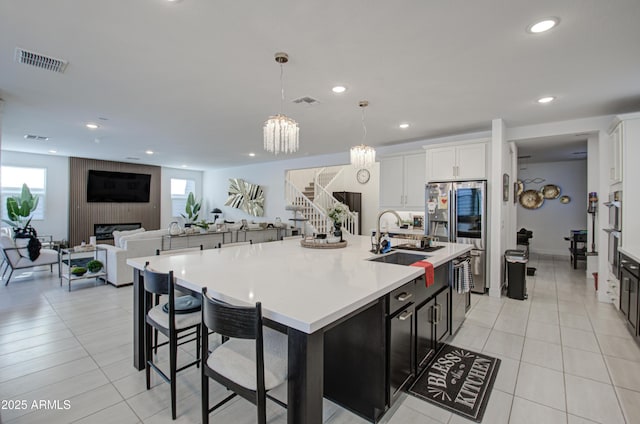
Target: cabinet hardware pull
pixel 633 267
pixel 405 315
pixel 404 296
pixel 438 314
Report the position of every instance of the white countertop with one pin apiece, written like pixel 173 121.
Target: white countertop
pixel 631 251
pixel 302 288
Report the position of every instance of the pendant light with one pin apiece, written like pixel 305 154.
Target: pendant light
pixel 363 156
pixel 281 132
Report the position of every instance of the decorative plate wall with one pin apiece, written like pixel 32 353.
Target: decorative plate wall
pixel 550 191
pixel 531 199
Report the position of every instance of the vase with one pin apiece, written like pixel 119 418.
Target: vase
pixel 337 230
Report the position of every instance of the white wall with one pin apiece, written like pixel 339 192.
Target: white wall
pixel 553 220
pixel 370 193
pixel 166 217
pixel 56 221
pixel 270 176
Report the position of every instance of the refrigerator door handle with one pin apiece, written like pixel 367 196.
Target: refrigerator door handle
pixel 453 218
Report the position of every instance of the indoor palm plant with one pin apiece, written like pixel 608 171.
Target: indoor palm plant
pixel 19 212
pixel 192 209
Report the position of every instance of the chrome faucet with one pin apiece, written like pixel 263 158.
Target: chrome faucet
pixel 378 235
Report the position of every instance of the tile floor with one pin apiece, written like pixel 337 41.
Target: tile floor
pixel 565 359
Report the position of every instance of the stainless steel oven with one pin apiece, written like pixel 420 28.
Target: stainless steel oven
pixel 615 210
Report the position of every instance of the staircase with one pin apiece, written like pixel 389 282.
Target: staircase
pixel 315 200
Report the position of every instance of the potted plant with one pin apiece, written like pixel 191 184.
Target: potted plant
pixel 192 210
pixel 19 210
pixel 94 266
pixel 337 214
pixel 203 225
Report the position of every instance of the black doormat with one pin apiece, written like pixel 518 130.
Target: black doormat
pixel 458 380
pixel 78 262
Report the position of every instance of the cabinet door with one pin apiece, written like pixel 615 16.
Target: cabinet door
pixel 471 161
pixel 414 181
pixel 615 152
pixel 441 163
pixel 401 331
pixel 632 318
pixel 425 341
pixel 441 315
pixel 391 184
pixel 624 293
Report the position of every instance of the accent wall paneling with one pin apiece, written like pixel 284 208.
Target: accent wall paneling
pixel 84 215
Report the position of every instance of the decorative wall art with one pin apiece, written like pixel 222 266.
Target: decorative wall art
pixel 246 196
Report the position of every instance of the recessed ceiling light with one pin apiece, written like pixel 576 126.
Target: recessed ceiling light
pixel 53 151
pixel 339 89
pixel 92 126
pixel 149 152
pixel 252 154
pixel 184 166
pixel 547 99
pixel 543 25
pixel 404 125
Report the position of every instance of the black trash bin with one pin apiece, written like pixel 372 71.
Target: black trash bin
pixel 516 264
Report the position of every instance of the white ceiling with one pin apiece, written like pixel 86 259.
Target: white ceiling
pixel 553 149
pixel 194 80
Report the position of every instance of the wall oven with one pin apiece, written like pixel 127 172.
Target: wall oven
pixel 615 210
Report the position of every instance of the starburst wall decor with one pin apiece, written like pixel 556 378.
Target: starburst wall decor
pixel 246 196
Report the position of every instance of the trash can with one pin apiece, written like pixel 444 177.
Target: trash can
pixel 516 264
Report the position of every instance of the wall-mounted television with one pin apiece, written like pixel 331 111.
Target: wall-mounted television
pixel 121 187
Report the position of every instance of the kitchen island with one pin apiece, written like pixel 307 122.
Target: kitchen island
pixel 306 292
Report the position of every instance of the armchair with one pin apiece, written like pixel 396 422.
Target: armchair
pixel 14 259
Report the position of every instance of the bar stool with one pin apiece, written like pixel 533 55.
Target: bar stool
pixel 253 360
pixel 178 319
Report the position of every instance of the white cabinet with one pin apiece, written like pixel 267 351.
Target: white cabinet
pixel 456 162
pixel 615 154
pixel 402 182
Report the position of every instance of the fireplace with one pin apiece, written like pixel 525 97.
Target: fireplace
pixel 105 231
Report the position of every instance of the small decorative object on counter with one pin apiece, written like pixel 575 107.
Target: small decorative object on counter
pixel 174 228
pixel 337 214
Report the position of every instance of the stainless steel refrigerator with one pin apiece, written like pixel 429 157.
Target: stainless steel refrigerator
pixel 456 211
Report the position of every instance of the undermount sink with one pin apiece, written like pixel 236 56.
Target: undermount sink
pixel 399 258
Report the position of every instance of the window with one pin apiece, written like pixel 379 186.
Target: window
pixel 12 179
pixel 180 189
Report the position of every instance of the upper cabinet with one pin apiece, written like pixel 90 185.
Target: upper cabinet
pixel 615 153
pixel 456 162
pixel 402 182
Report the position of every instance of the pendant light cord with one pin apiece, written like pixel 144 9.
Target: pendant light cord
pixel 281 88
pixel 364 128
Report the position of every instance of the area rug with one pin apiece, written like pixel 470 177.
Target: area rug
pixel 458 380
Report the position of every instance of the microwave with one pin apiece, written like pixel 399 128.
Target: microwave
pixel 615 210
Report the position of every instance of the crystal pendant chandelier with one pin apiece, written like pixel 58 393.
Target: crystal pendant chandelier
pixel 280 131
pixel 363 156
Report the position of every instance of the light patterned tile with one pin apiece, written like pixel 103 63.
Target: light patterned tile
pixel 594 400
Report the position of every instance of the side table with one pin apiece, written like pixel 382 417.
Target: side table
pixel 69 253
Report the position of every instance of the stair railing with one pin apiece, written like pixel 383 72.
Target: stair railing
pixel 315 216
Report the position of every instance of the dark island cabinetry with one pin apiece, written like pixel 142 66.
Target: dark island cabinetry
pixel 400 332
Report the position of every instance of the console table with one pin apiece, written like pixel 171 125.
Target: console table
pixel 209 240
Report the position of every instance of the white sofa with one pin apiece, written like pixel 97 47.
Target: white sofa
pixel 130 244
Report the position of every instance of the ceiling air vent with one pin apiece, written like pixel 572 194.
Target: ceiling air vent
pixel 36 137
pixel 40 61
pixel 306 99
